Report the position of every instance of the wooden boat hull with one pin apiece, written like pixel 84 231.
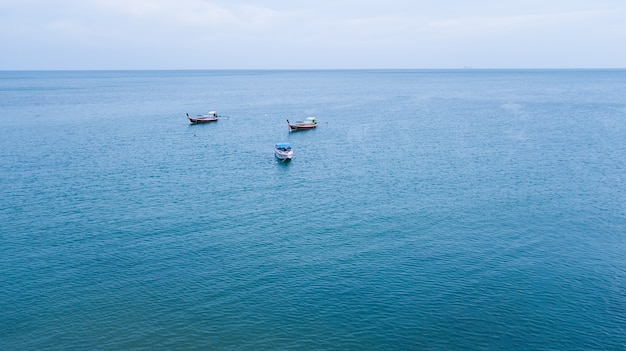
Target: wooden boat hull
pixel 294 127
pixel 300 125
pixel 201 120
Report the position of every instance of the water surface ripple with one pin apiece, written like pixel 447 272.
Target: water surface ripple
pixel 430 210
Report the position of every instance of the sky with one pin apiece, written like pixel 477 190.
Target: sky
pixel 316 34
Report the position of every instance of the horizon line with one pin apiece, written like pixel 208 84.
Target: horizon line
pixel 468 68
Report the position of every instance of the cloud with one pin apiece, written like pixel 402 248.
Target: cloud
pixel 186 13
pixel 280 33
pixel 467 25
pixel 129 26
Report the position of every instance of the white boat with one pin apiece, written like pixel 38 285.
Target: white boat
pixel 309 123
pixel 283 151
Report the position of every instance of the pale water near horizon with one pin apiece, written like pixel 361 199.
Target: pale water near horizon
pixel 430 210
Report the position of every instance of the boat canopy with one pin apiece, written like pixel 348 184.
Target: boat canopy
pixel 282 145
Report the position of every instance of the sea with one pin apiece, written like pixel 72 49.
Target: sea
pixel 459 209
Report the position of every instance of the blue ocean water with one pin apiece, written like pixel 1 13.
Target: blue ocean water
pixel 430 210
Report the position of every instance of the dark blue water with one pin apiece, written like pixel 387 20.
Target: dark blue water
pixel 430 210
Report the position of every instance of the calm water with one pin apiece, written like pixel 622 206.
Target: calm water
pixel 430 210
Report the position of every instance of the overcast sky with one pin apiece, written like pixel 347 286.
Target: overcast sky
pixel 316 34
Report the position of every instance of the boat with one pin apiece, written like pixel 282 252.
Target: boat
pixel 308 123
pixel 209 117
pixel 283 151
